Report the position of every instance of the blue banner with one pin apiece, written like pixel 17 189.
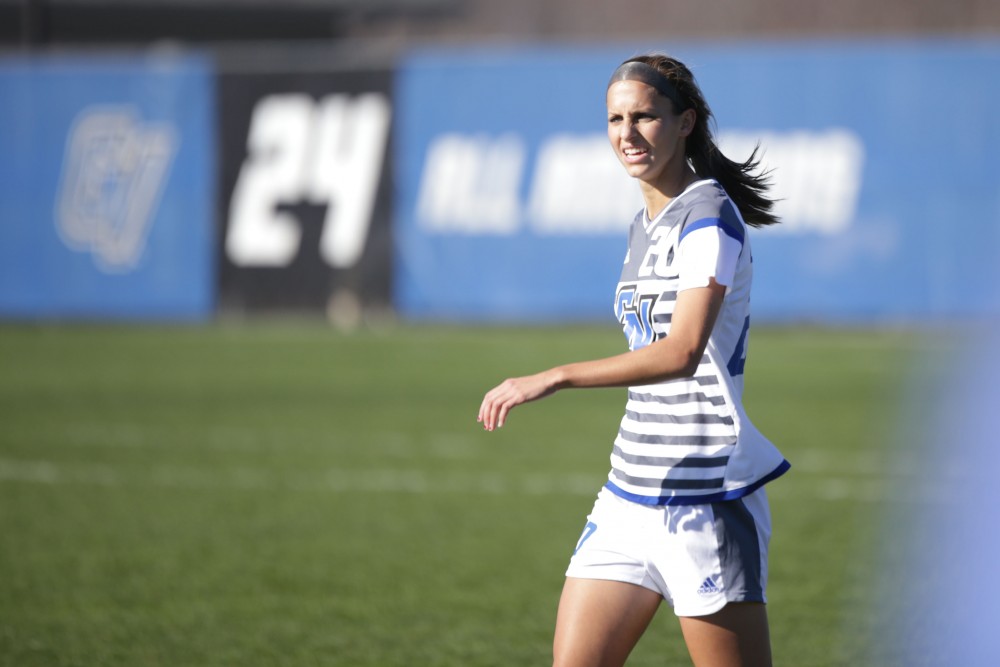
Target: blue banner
pixel 512 205
pixel 107 187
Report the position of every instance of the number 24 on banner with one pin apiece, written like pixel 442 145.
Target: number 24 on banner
pixel 300 150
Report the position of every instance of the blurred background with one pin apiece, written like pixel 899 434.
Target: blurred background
pixel 172 159
pixel 260 259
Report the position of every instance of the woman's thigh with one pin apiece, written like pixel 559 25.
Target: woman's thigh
pixel 599 621
pixel 735 636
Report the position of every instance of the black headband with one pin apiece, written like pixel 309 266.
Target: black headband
pixel 635 70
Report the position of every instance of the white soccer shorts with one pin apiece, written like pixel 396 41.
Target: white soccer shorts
pixel 698 557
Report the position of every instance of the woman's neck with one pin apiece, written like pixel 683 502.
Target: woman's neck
pixel 658 196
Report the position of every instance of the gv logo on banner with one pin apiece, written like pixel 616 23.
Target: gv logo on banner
pixel 114 173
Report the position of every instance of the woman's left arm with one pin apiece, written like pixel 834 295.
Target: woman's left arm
pixel 675 356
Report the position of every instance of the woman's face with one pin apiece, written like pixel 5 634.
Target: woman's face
pixel 647 136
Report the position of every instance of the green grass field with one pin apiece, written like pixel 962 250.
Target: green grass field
pixel 282 494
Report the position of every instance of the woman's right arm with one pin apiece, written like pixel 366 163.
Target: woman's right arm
pixel 675 356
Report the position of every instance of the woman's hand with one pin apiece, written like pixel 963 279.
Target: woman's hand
pixel 499 401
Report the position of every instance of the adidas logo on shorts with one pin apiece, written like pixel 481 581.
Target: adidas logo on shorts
pixel 708 587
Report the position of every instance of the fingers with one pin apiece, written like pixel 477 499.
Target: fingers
pixel 484 413
pixel 497 404
pixel 502 411
pixel 488 412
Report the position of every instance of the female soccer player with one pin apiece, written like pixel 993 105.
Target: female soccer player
pixel 683 516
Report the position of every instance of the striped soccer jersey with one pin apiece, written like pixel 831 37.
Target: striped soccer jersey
pixel 689 441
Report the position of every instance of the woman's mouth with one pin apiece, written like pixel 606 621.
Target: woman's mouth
pixel 634 154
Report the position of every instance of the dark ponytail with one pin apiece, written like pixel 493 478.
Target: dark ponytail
pixel 741 180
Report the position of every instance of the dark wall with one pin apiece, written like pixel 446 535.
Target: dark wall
pixel 42 23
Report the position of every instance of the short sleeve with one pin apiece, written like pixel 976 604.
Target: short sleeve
pixel 709 248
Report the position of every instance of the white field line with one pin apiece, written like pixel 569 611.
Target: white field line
pixel 814 478
pixel 831 474
pixel 336 480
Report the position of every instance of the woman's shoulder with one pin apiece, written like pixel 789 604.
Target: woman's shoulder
pixel 704 199
pixel 709 205
pixel 707 191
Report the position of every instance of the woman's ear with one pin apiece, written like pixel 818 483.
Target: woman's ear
pixel 688 118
